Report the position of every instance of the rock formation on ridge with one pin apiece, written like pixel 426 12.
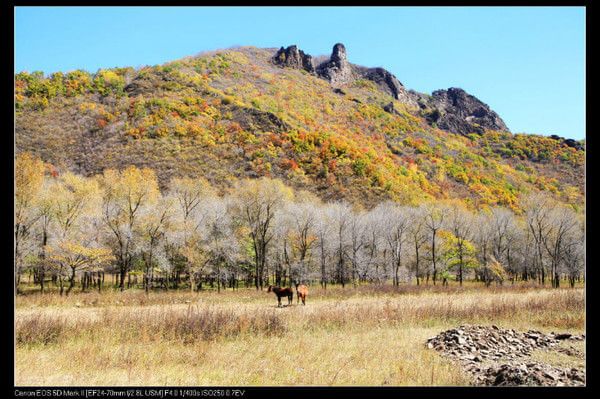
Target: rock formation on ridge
pixel 292 57
pixel 454 109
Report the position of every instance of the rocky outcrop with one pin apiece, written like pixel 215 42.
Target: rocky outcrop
pixel 253 120
pixel 389 108
pixel 569 142
pixel 459 112
pixel 292 57
pixel 496 356
pixel 337 70
pixel 387 83
pixel 385 80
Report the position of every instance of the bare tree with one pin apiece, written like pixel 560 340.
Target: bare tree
pixel 394 222
pixel 154 223
pixel 434 221
pixel 341 214
pixel 418 236
pixel 371 266
pixel 221 240
pixel 563 224
pixel 324 229
pixel 538 214
pixel 191 195
pixel 574 255
pixel 356 232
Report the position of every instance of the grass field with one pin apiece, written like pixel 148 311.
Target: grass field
pixel 361 336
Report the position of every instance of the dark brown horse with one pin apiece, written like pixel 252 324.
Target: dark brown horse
pixel 282 292
pixel 302 292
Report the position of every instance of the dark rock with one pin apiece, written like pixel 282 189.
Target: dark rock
pixel 337 70
pixel 459 112
pixel 538 374
pixel 562 336
pixel 292 57
pixel 389 108
pixel 386 82
pixel 574 144
pixel 339 91
pixel 139 86
pixel 252 119
pixel 568 142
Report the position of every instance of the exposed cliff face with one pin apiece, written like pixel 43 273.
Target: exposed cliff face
pixel 459 112
pixel 388 83
pixel 338 71
pixel 292 57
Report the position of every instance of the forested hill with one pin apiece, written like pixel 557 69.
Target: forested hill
pixel 320 123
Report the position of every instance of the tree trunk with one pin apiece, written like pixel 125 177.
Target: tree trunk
pixel 218 278
pixel 460 268
pixel 71 282
pixel 433 257
pixel 417 263
pixel 60 283
pixel 192 281
pixel 122 278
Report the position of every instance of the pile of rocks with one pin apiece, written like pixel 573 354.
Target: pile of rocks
pixel 495 355
pixel 531 373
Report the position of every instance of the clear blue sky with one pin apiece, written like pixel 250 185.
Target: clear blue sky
pixel 527 63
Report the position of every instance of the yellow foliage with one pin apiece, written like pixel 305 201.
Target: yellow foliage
pixel 131 185
pixel 29 176
pixel 74 255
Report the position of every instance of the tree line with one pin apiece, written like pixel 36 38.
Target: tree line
pixel 71 230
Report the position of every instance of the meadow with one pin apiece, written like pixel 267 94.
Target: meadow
pixel 366 336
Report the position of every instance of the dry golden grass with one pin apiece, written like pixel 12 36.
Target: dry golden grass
pixel 136 297
pixel 342 337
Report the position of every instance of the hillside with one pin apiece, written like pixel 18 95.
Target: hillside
pixel 334 128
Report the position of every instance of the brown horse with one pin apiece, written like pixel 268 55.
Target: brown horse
pixel 282 292
pixel 301 292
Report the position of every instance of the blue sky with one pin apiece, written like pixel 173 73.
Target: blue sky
pixel 527 63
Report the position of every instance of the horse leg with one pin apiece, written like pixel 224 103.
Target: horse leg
pixel 304 300
pixel 278 301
